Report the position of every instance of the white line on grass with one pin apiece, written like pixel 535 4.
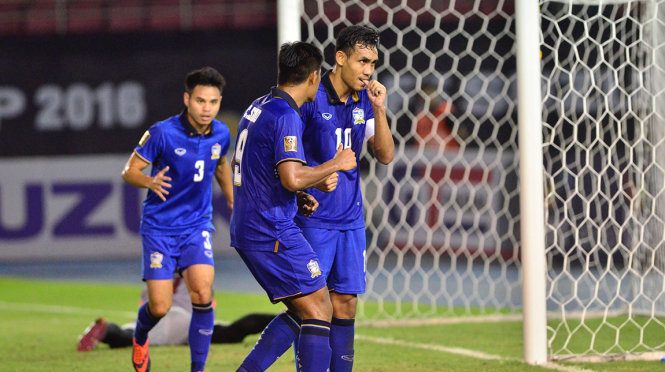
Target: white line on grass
pixel 461 351
pixel 646 356
pixel 435 321
pixel 41 308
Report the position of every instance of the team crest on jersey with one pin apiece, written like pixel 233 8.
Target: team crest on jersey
pixel 144 139
pixel 156 260
pixel 313 268
pixel 216 151
pixel 358 116
pixel 327 115
pixel 290 143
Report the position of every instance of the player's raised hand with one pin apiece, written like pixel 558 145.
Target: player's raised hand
pixel 345 158
pixel 329 184
pixel 376 93
pixel 307 204
pixel 159 183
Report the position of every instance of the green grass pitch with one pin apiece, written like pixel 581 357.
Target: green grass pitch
pixel 40 322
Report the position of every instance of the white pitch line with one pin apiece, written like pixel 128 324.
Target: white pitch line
pixel 465 352
pixel 41 308
pixel 436 321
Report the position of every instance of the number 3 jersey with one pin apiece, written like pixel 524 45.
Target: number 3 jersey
pixel 269 134
pixel 328 123
pixel 192 159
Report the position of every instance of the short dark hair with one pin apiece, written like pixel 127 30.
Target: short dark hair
pixel 296 61
pixel 206 76
pixel 349 37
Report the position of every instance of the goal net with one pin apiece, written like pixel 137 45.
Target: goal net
pixel 603 71
pixel 441 218
pixel 443 222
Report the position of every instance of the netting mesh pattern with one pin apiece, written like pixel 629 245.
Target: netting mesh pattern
pixel 603 146
pixel 442 217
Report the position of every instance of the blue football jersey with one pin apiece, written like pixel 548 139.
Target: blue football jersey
pixel 269 133
pixel 328 123
pixel 192 159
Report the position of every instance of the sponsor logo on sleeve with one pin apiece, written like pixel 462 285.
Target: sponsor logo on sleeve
pixel 290 143
pixel 145 138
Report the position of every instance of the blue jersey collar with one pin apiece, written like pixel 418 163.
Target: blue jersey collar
pixel 189 129
pixel 333 98
pixel 278 93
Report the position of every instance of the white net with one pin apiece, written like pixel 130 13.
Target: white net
pixel 443 218
pixel 604 161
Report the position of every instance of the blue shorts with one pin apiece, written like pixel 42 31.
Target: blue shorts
pixel 342 256
pixel 164 254
pixel 286 272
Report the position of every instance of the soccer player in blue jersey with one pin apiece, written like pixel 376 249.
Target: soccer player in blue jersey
pixel 186 152
pixel 349 109
pixel 268 169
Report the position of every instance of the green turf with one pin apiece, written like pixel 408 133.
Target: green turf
pixel 41 320
pixel 575 336
pixel 377 312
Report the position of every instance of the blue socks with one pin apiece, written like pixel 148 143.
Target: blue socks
pixel 342 333
pixel 314 346
pixel 144 324
pixel 275 339
pixel 200 333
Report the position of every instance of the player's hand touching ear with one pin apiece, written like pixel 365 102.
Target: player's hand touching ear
pixel 345 158
pixel 159 183
pixel 376 93
pixel 329 184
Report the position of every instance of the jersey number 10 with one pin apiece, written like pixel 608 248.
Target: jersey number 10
pixel 347 137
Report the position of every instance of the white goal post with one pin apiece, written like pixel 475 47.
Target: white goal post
pixel 564 223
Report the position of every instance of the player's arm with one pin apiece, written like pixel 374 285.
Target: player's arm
pixel 297 176
pixel 133 174
pixel 329 183
pixel 382 144
pixel 223 177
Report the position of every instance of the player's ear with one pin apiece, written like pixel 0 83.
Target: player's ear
pixel 313 77
pixel 340 57
pixel 185 99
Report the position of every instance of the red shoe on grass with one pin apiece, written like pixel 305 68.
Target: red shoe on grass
pixel 92 335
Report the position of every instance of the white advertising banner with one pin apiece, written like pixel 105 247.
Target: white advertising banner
pixel 77 207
